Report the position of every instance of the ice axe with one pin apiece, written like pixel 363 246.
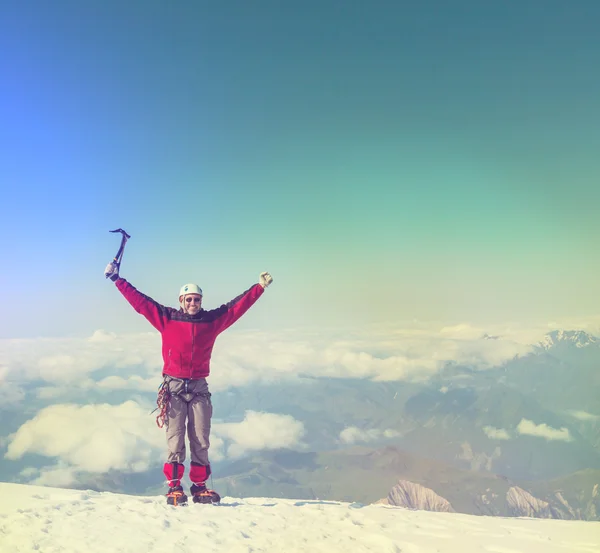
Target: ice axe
pixel 124 237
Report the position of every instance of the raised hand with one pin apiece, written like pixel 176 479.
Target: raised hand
pixel 265 279
pixel 112 271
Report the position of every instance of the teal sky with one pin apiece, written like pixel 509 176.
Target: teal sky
pixel 384 160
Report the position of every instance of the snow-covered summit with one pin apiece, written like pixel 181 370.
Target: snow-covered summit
pixel 578 338
pixel 34 519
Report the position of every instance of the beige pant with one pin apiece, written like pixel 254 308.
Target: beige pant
pixel 190 402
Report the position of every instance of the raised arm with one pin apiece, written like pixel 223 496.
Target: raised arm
pixel 156 313
pixel 230 312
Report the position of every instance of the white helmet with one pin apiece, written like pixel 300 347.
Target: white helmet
pixel 190 289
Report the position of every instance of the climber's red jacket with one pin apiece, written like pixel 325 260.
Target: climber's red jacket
pixel 188 340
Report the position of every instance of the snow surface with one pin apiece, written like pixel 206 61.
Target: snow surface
pixel 52 520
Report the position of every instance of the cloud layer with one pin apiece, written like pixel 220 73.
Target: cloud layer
pixel 496 433
pixel 106 361
pixel 99 438
pixel 353 435
pixel 584 415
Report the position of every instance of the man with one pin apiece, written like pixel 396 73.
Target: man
pixel 188 336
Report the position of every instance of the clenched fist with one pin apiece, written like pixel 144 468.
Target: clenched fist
pixel 265 279
pixel 112 271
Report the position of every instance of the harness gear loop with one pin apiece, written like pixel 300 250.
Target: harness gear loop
pixel 162 404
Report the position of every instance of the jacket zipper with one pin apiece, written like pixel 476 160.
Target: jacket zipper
pixel 192 356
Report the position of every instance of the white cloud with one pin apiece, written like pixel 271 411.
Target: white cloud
pixel 390 355
pixel 50 392
pixel 68 361
pixel 462 332
pixel 91 438
pixel 584 415
pixel 110 383
pixel 11 393
pixel 529 428
pixel 217 446
pixel 132 383
pixel 60 475
pixel 496 433
pixel 260 431
pixel 353 434
pixel 589 324
pixel 102 336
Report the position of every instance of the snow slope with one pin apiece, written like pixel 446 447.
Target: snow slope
pixel 51 520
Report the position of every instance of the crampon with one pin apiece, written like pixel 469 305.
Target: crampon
pixel 176 497
pixel 201 494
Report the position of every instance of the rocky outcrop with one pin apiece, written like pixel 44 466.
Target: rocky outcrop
pixel 415 496
pixel 523 504
pixel 565 505
pixel 585 510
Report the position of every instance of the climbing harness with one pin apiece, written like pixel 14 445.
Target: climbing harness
pixel 164 397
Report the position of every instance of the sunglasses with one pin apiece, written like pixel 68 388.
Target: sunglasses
pixel 195 300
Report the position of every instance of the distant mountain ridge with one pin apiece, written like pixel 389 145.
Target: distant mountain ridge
pixel 518 502
pixel 366 476
pixel 578 338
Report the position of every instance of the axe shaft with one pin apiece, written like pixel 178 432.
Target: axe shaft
pixel 124 238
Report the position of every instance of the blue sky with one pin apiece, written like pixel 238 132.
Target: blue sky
pixel 385 161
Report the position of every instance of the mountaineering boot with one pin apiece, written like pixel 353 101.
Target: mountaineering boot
pixel 174 473
pixel 201 494
pixel 176 497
